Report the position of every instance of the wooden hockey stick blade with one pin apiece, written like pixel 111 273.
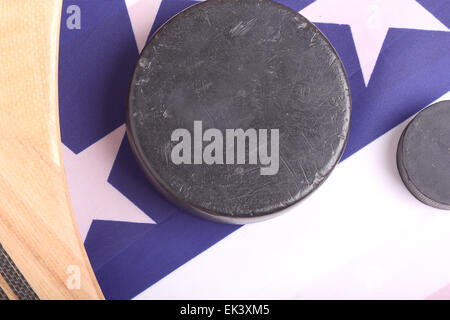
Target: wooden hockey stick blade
pixel 38 233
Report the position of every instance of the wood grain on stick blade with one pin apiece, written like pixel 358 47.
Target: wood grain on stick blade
pixel 37 227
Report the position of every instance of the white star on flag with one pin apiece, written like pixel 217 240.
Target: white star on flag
pixel 142 15
pixel 93 198
pixel 370 21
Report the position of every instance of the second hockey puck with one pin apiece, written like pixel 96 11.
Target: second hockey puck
pixel 423 156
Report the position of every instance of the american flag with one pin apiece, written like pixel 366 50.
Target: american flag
pixel 362 235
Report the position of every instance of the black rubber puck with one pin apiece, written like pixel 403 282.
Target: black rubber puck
pixel 423 156
pixel 247 68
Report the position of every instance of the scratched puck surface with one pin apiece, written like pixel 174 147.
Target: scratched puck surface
pixel 423 156
pixel 224 65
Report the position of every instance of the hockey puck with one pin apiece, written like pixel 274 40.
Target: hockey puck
pixel 238 109
pixel 423 156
